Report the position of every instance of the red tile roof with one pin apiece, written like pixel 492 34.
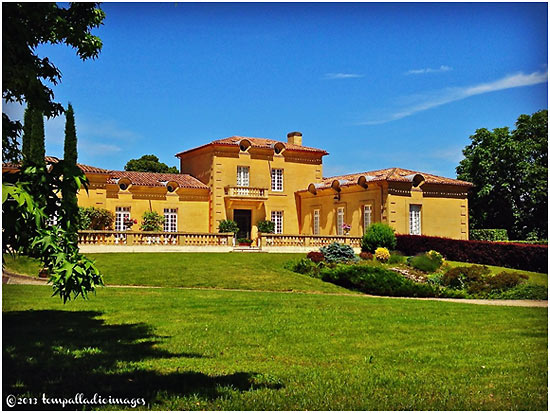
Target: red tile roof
pixel 391 175
pixel 156 179
pixel 257 143
pixel 136 178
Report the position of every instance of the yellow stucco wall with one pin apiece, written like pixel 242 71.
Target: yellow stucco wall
pixel 352 199
pixel 444 209
pixel 299 169
pixel 191 204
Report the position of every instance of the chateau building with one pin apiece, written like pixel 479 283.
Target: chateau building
pixel 253 179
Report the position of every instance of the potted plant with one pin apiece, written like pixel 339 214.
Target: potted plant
pixel 128 223
pixel 346 228
pixel 244 242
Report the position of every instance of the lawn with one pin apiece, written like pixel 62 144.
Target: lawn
pixel 219 270
pixel 229 350
pixel 250 271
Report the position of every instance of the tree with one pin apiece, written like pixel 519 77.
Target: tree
pixel 69 190
pixel 27 132
pixel 149 163
pixel 25 26
pixel 509 172
pixel 31 194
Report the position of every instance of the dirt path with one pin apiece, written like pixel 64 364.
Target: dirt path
pixel 12 278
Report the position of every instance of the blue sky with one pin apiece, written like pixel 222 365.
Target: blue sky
pixel 376 85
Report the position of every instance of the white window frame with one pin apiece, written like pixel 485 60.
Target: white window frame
pixel 316 221
pixel 340 214
pixel 367 216
pixel 277 219
pixel 415 219
pixel 120 214
pixel 277 176
pixel 243 179
pixel 170 220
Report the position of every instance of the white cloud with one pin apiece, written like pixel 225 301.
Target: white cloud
pixel 442 68
pixel 332 76
pixel 449 95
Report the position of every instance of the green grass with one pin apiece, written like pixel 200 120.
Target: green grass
pixel 247 271
pixel 217 270
pixel 216 350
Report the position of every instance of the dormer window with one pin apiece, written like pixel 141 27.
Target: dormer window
pixel 170 188
pixel 124 184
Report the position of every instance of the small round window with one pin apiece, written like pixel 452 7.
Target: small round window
pixel 244 145
pixel 123 186
pixel 278 148
pixel 170 188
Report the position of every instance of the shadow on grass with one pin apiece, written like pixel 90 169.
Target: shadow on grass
pixel 62 353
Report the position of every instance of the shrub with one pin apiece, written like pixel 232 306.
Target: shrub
pixel 266 227
pixel 364 255
pixel 522 292
pixel 428 262
pixel 504 254
pixel 315 256
pixel 244 240
pixel 336 252
pixel 228 225
pixel 382 254
pixel 460 277
pixel 152 221
pixel 95 218
pixel 378 235
pixel 489 234
pixel 302 266
pixel 396 258
pixel 380 281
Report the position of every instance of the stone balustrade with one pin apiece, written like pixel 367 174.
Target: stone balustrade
pixel 304 242
pixel 245 192
pixel 137 238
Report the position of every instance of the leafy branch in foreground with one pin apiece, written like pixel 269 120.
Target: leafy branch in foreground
pixel 26 229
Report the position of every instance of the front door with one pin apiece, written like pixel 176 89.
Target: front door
pixel 243 218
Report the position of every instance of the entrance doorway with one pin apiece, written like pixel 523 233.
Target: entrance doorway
pixel 243 218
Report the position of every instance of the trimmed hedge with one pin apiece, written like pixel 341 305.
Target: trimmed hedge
pixel 489 234
pixel 503 254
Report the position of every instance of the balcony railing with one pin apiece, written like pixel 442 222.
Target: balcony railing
pixel 245 192
pixel 154 238
pixel 306 241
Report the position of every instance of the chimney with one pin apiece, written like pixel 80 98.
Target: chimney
pixel 295 138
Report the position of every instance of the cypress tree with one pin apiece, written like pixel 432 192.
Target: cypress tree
pixel 27 132
pixel 69 189
pixel 37 145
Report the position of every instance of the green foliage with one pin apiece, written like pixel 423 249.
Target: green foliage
pixel 152 221
pixel 244 240
pixel 95 218
pixel 426 262
pixel 378 235
pixel 149 163
pixel 336 252
pixel 380 281
pixel 37 144
pixel 27 133
pixel 303 266
pixel 25 75
pixel 509 171
pixel 522 292
pixel 266 227
pixel 460 277
pixel 396 258
pixel 228 225
pixel 489 234
pixel 25 231
pixel 69 218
